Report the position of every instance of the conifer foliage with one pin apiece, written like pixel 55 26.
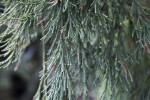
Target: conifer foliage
pixel 86 44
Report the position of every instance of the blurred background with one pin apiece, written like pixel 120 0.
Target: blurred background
pixel 21 83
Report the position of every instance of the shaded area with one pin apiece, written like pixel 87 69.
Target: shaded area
pixel 22 84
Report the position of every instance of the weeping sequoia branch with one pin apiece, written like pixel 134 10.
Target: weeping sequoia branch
pixel 89 41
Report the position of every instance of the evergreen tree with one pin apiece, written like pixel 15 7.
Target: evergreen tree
pixel 86 45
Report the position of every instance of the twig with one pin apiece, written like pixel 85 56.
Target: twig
pixel 53 68
pixel 19 61
pixel 53 2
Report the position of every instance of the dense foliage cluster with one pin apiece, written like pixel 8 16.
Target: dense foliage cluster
pixel 86 44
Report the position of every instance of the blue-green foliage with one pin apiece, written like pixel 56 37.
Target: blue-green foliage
pixel 89 42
